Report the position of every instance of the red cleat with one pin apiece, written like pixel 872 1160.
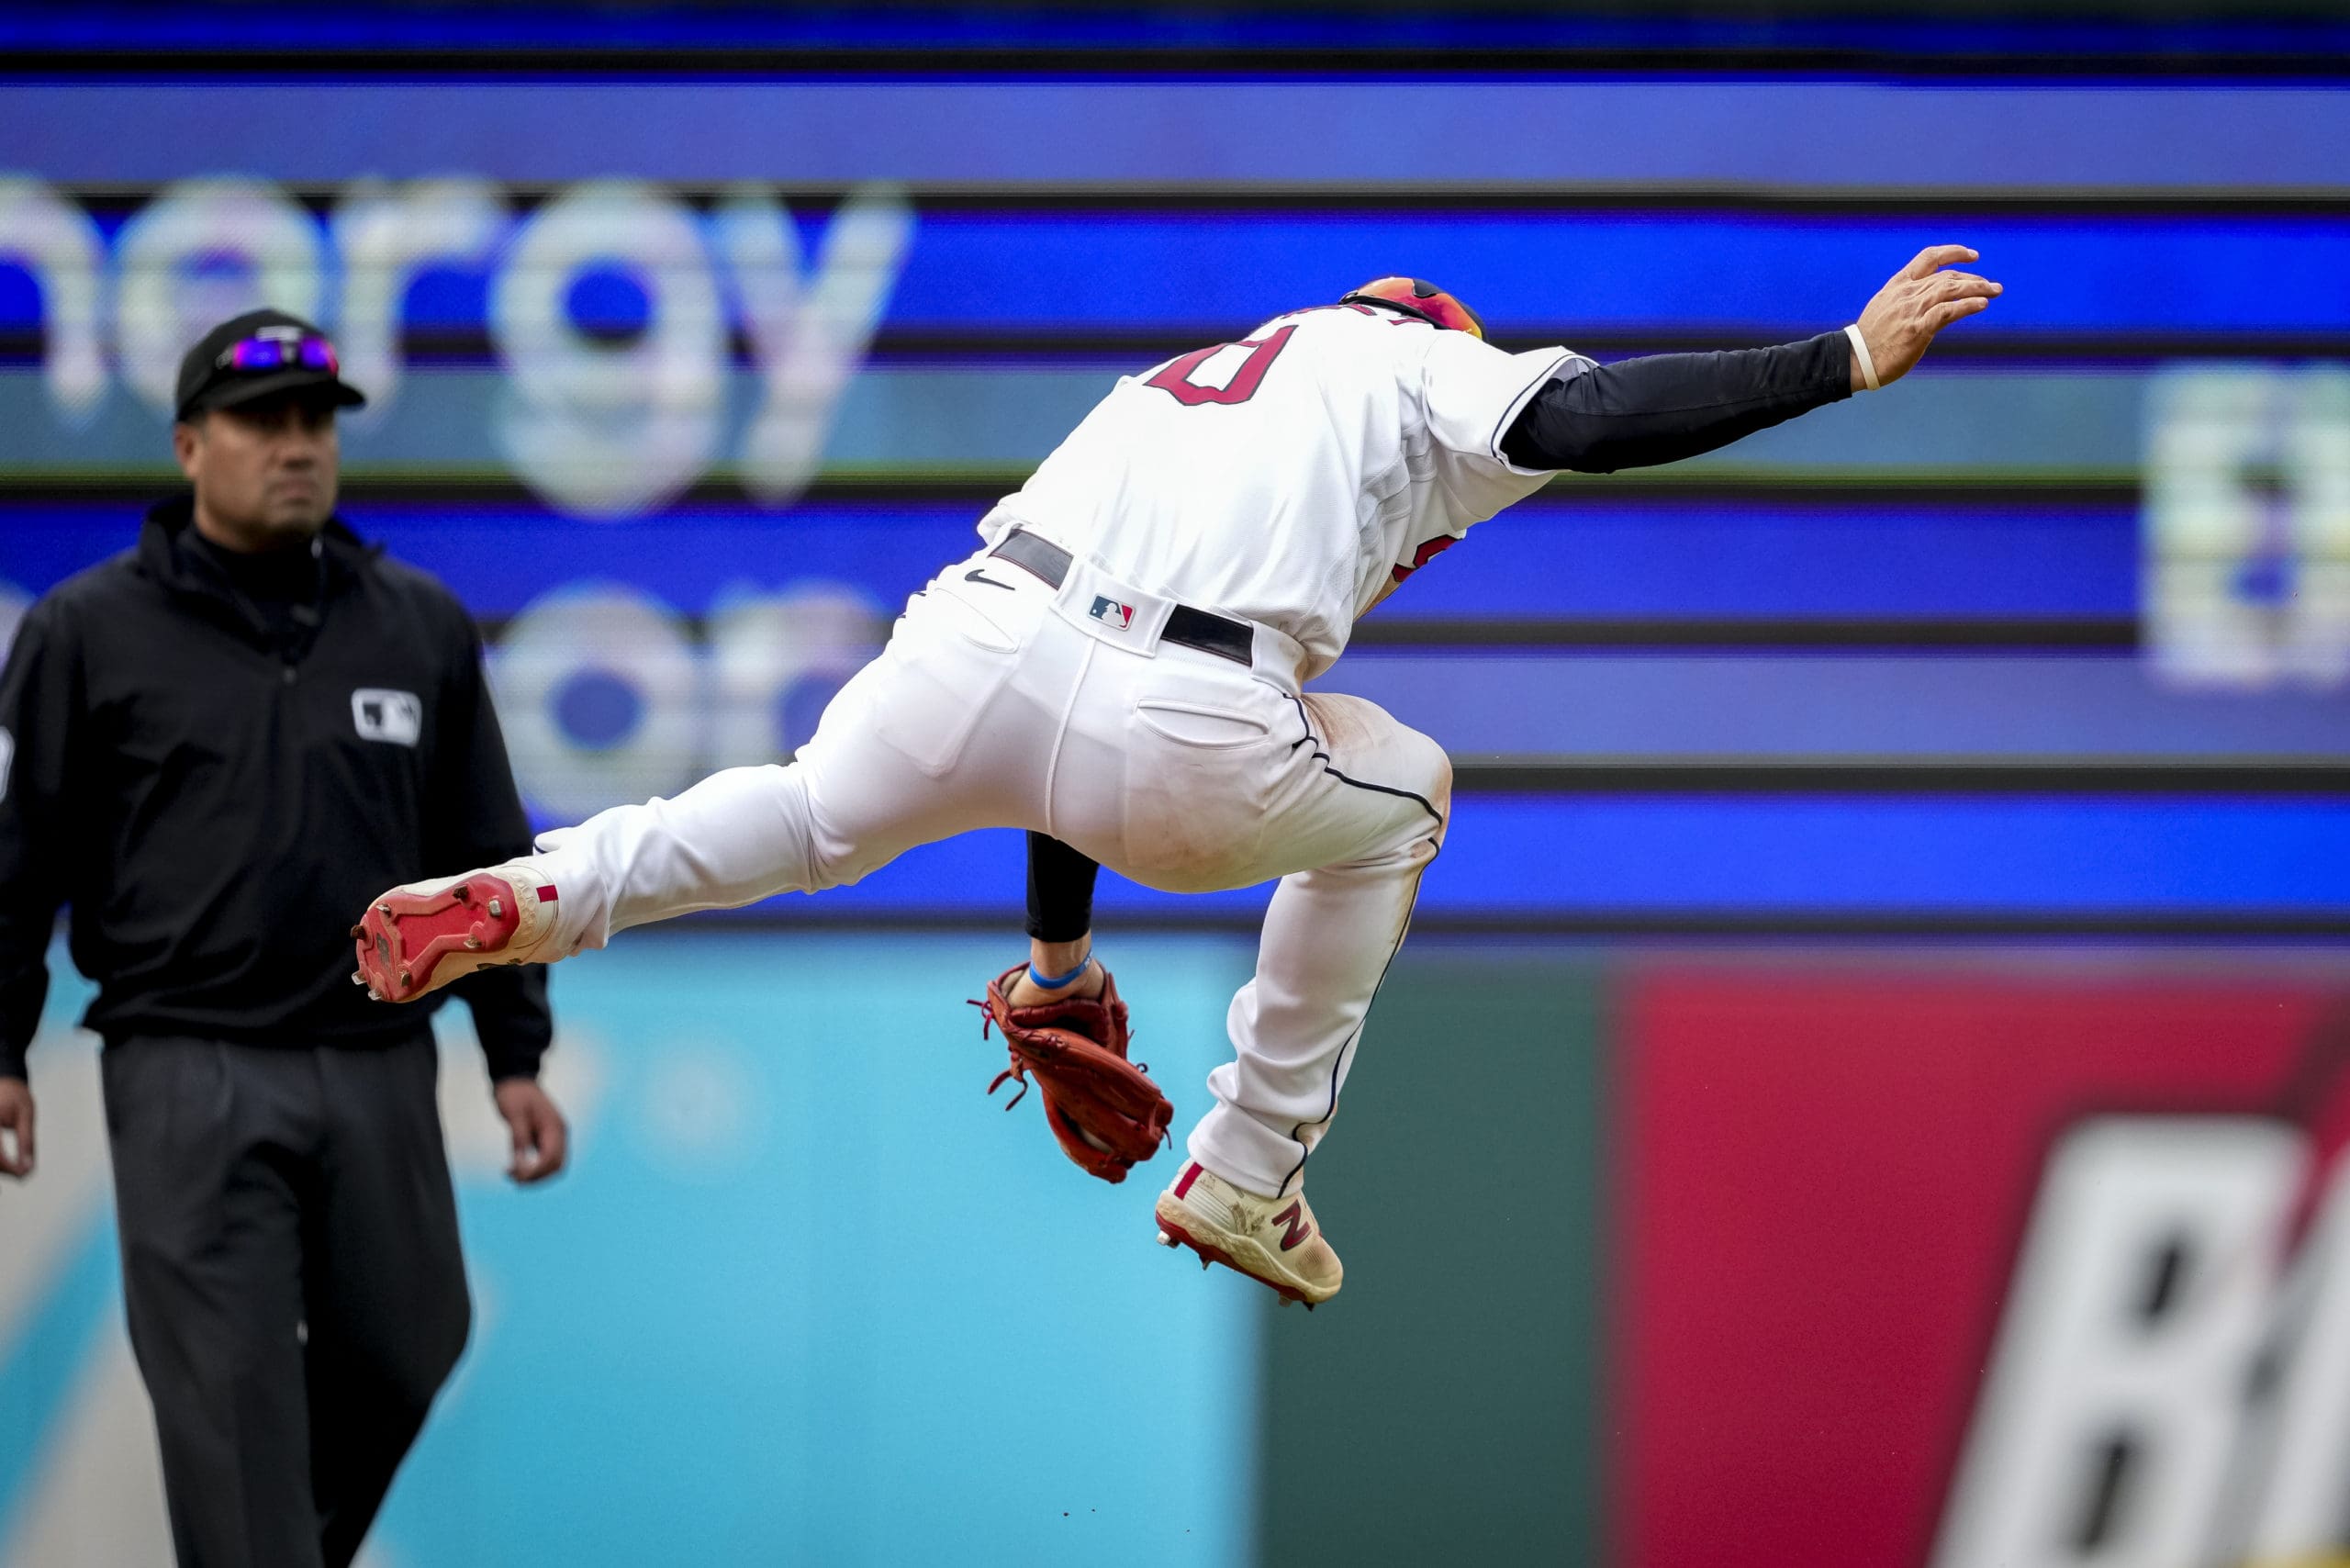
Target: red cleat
pixel 420 938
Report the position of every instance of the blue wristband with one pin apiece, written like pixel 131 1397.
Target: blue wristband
pixel 1053 982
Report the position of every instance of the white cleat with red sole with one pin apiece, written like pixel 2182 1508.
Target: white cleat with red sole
pixel 1272 1241
pixel 422 935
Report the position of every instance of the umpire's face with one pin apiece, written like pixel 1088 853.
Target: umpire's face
pixel 265 471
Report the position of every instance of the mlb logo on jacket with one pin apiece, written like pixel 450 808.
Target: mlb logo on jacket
pixel 394 716
pixel 1111 612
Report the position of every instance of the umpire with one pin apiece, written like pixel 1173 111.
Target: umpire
pixel 214 747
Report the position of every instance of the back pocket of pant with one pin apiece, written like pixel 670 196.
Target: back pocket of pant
pixel 944 669
pixel 1195 798
pixel 1200 725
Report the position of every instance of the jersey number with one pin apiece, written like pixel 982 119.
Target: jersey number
pixel 1176 378
pixel 1425 554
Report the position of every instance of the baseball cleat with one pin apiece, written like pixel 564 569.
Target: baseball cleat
pixel 419 936
pixel 1274 1241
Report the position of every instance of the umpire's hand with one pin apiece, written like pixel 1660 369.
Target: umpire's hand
pixel 540 1137
pixel 1920 300
pixel 15 1127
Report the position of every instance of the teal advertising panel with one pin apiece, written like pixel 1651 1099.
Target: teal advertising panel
pixel 806 1295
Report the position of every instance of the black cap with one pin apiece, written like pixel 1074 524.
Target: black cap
pixel 207 382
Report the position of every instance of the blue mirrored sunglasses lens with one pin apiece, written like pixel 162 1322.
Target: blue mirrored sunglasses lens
pixel 269 354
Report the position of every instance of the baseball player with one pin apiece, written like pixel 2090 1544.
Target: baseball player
pixel 1120 669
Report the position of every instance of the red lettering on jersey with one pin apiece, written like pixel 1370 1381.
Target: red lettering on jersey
pixel 1176 378
pixel 1426 552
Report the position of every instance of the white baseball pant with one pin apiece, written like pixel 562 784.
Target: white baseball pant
pixel 1001 702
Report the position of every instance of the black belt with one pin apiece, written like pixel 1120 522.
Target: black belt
pixel 1217 634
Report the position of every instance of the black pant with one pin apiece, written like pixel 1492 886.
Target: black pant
pixel 292 1273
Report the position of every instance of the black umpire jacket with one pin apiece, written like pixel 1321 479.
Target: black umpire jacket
pixel 217 804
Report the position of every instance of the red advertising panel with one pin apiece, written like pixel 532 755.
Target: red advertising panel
pixel 1977 1266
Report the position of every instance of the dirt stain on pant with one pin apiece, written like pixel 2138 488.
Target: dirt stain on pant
pixel 1365 742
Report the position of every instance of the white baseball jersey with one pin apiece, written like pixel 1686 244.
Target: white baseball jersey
pixel 1292 477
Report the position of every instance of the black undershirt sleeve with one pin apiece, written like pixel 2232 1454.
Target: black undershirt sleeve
pixel 1060 891
pixel 1637 413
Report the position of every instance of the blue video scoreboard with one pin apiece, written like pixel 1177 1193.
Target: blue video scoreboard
pixel 706 361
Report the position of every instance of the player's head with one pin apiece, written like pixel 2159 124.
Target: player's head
pixel 1417 296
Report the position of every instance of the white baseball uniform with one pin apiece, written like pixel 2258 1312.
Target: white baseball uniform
pixel 1287 481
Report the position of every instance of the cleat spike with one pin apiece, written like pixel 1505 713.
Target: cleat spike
pixel 497 910
pixel 357 978
pixel 407 980
pixel 1309 1306
pixel 1164 1240
pixel 463 892
pixel 473 944
pixel 385 910
pixel 1203 1265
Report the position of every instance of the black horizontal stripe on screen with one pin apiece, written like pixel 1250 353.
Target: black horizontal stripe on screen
pixel 109 200
pixel 1389 629
pixel 620 61
pixel 1632 922
pixel 1988 346
pixel 2324 777
pixel 1924 634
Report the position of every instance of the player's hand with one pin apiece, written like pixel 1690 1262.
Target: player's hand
pixel 1920 300
pixel 541 1138
pixel 16 1128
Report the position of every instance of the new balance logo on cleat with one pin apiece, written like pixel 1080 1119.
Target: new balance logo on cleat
pixel 1273 1242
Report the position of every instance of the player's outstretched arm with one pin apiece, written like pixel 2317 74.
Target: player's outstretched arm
pixel 1917 302
pixel 1637 413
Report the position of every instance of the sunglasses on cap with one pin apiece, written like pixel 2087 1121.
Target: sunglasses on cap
pixel 278 352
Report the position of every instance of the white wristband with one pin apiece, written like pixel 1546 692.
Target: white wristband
pixel 1861 352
